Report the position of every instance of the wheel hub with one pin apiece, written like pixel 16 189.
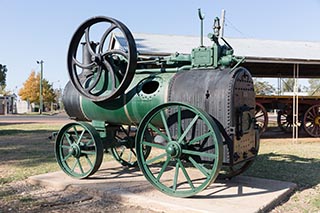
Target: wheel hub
pixel 317 120
pixel 174 149
pixel 75 150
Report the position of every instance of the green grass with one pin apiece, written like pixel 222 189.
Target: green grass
pixel 280 159
pixel 287 161
pixel 26 150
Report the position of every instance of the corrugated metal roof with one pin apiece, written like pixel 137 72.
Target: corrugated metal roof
pixel 250 48
pixel 264 58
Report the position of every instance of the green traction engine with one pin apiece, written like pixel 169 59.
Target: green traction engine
pixel 184 119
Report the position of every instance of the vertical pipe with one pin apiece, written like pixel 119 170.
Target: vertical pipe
pixel 223 14
pixel 201 17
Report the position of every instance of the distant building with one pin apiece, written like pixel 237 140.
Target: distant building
pixel 8 104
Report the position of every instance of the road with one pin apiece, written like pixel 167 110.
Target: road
pixel 57 118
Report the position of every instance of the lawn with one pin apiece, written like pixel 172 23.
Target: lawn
pixel 297 162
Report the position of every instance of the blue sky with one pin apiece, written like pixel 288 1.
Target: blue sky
pixel 41 30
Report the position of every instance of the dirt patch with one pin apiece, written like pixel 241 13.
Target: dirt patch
pixel 24 197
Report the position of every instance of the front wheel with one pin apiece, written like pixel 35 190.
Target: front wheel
pixel 185 150
pixel 79 150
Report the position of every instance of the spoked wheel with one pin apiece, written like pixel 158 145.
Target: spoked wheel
pixel 186 149
pixel 311 121
pixel 79 150
pixel 285 120
pixel 261 116
pixel 124 151
pixel 102 67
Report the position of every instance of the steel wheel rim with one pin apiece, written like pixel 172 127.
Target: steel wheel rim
pixel 79 150
pixel 183 171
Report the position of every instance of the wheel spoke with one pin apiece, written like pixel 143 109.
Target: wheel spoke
pixel 80 166
pixel 74 165
pixel 81 65
pixel 155 129
pixel 164 167
pixel 133 152
pixel 165 125
pixel 194 120
pixel 89 161
pixel 201 168
pixel 76 132
pixel 156 145
pixel 90 142
pixel 122 151
pixel 108 68
pixel 65 147
pixel 179 122
pixel 130 156
pixel 185 173
pixel 67 157
pixel 175 179
pixel 67 136
pixel 105 35
pixel 94 80
pixel 148 162
pixel 88 42
pixel 202 154
pixel 81 135
pixel 200 138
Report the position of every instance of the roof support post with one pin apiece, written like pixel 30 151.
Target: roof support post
pixel 295 104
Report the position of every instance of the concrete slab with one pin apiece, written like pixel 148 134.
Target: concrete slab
pixel 128 185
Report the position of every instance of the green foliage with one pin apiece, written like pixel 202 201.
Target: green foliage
pixel 263 88
pixel 3 75
pixel 31 89
pixel 287 84
pixel 314 87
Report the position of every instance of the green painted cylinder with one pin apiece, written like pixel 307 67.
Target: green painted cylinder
pixel 145 92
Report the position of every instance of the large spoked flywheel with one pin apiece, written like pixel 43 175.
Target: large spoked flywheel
pixel 185 149
pixel 102 58
pixel 79 150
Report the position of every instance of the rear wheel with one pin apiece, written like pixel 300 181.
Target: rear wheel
pixel 124 151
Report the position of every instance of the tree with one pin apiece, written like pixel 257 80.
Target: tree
pixel 263 88
pixel 31 90
pixel 314 88
pixel 3 76
pixel 287 84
